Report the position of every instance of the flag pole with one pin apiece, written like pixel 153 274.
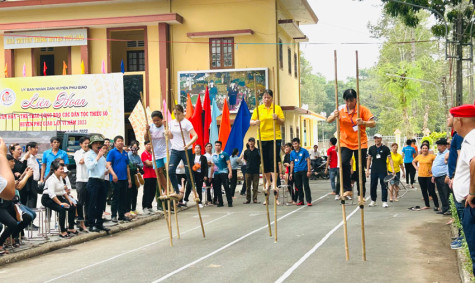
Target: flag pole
pixel 262 157
pixel 360 161
pixel 156 169
pixel 340 168
pixel 274 175
pixel 197 199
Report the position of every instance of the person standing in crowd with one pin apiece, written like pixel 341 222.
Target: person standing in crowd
pixel 300 171
pixel 349 124
pixel 150 178
pixel 439 173
pixel 200 173
pixel 266 121
pixel 423 164
pixel 398 166
pixel 179 129
pixel 464 180
pixel 7 180
pixel 209 182
pixel 378 154
pixel 332 167
pixel 82 177
pixel 31 192
pixel 222 174
pixel 96 163
pixel 409 153
pixel 135 166
pixel 243 170
pixel 56 198
pixel 50 155
pixel 235 165
pixel 253 162
pixel 286 177
pixel 157 133
pixel 118 164
pixel 314 156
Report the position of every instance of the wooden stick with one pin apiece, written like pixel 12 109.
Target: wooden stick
pixel 274 175
pixel 360 161
pixel 168 161
pixel 342 198
pixel 156 171
pixel 262 157
pixel 192 179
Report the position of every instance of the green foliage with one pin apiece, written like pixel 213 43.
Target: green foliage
pixel 435 136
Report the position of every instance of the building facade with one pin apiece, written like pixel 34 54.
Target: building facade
pixel 153 42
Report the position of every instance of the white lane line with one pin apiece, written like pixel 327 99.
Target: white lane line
pixel 131 251
pixel 227 245
pixel 315 248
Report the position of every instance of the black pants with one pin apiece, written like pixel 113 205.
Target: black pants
pixel 301 184
pixel 49 203
pixel 375 177
pixel 29 195
pixel 292 190
pixel 132 195
pixel 346 155
pixel 149 189
pixel 410 173
pixel 444 192
pixel 97 193
pixel 81 189
pixel 208 184
pixel 218 180
pixel 197 177
pixel 427 185
pixel 243 188
pixel 8 218
pixel 233 181
pixel 119 198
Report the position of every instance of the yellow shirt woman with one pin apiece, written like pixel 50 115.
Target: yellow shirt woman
pixel 265 116
pixel 397 161
pixel 425 164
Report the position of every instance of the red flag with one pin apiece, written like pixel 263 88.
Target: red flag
pixel 189 107
pixel 207 110
pixel 197 122
pixel 225 128
pixel 44 68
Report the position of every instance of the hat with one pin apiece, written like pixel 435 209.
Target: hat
pixel 378 136
pixel 95 138
pixel 442 141
pixel 466 110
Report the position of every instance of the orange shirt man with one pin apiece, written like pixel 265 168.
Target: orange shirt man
pixel 349 123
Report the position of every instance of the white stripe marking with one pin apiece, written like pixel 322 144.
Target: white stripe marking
pixel 226 246
pixel 131 251
pixel 315 248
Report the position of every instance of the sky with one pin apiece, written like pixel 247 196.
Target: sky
pixel 339 22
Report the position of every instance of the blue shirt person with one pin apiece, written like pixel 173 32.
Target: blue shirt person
pixel 408 153
pixel 221 161
pixel 439 168
pixel 455 147
pixel 50 155
pixel 299 163
pixel 119 160
pixel 96 167
pixel 299 158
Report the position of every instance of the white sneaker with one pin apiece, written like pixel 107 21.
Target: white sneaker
pixel 201 205
pixel 337 197
pixel 372 203
pixel 385 204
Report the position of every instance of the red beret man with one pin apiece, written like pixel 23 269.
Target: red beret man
pixel 464 179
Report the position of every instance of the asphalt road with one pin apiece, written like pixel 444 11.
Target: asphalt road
pixel 401 245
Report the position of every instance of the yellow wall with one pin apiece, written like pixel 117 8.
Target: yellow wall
pixel 153 68
pixel 75 60
pixel 22 56
pixel 97 50
pixel 212 15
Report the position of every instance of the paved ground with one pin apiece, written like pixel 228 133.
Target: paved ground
pixel 401 245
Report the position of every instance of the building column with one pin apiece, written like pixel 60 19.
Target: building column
pixel 9 61
pixel 164 56
pixel 85 57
